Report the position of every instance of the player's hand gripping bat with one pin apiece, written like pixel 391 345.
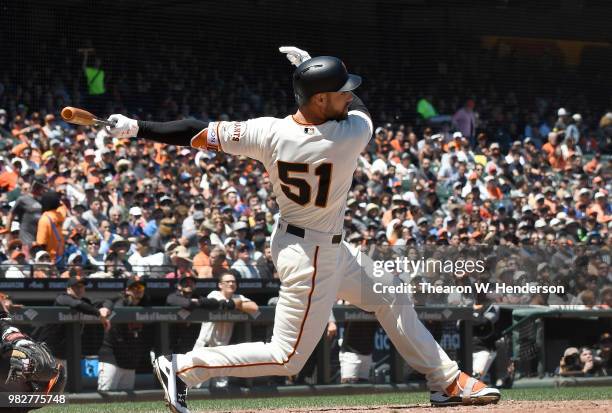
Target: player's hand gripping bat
pixel 82 117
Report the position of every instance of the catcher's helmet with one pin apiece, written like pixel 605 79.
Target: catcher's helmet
pixel 322 74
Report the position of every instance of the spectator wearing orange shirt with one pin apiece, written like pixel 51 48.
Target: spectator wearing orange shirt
pixel 593 165
pixel 49 231
pixel 493 191
pixel 602 207
pixel 90 156
pixel 553 152
pixel 10 176
pixel 201 261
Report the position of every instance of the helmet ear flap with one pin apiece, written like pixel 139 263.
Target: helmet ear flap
pixel 301 101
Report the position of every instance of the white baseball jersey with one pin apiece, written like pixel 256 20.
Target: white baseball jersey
pixel 310 166
pixel 217 333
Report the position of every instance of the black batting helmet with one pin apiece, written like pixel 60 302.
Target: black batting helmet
pixel 322 74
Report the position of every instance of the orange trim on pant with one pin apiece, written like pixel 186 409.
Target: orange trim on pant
pixel 297 343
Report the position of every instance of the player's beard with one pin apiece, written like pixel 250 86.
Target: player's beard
pixel 342 116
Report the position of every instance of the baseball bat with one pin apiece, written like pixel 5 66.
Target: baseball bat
pixel 82 117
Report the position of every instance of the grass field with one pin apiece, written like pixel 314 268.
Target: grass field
pixel 536 394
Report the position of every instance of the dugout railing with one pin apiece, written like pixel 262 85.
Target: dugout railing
pixel 165 317
pixel 538 336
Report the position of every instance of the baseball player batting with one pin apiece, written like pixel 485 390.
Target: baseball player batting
pixel 310 157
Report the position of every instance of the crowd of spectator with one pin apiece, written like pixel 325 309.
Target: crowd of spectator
pixel 587 361
pixel 495 169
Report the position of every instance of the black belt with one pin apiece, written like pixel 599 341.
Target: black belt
pixel 301 232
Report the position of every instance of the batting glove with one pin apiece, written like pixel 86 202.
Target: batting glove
pixel 296 56
pixel 124 127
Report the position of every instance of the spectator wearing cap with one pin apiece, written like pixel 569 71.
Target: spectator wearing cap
pixel 143 262
pixel 183 263
pixel 27 210
pixel 201 261
pixel 351 223
pixel 219 333
pixel 75 266
pixel 190 226
pixel 12 245
pixel 422 230
pixel 372 213
pixel 405 169
pixel 113 267
pixel 17 264
pixel 549 199
pixel 562 122
pixel 601 207
pixel 243 264
pixel 49 230
pixel 51 129
pixel 231 198
pixel 136 221
pixel 121 247
pixel 164 234
pixel 554 155
pixel 42 266
pixel 472 182
pixel 584 199
pixel 396 202
pixel 89 157
pixel 186 297
pixel 74 297
pixel 515 157
pixel 241 230
pixel 124 345
pixel 258 237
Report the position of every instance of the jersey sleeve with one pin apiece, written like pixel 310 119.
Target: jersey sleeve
pixel 250 138
pixel 360 126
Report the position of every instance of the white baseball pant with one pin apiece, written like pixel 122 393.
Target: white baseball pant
pixel 313 274
pixel 112 378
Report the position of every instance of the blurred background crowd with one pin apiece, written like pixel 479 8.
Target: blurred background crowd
pixel 478 167
pixel 492 141
pixel 482 140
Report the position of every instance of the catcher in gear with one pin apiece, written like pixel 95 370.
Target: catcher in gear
pixel 25 365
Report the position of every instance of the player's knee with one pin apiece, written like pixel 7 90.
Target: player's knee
pixel 294 366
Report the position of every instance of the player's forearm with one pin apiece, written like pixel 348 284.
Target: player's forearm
pixel 249 307
pixel 178 132
pixel 78 305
